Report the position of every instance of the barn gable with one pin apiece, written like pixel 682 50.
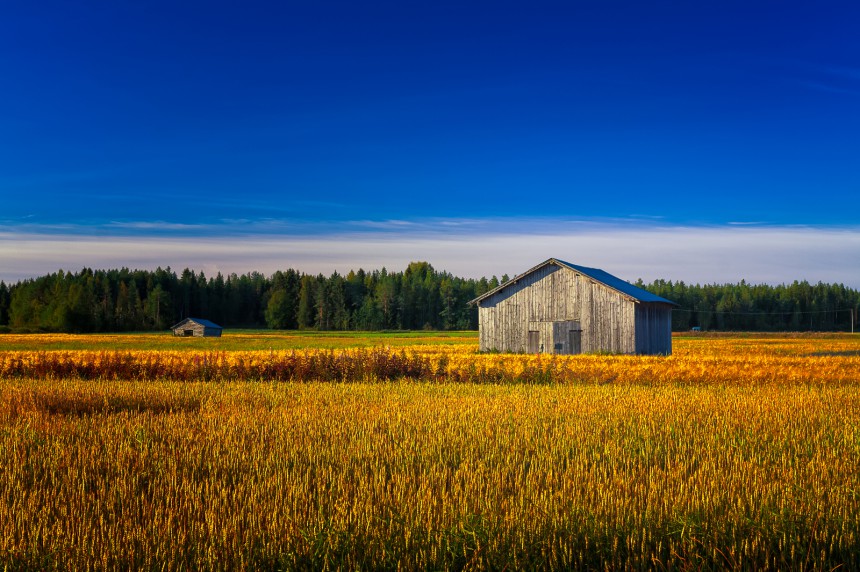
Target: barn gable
pixel 558 307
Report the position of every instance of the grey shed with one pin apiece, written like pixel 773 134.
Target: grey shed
pixel 559 307
pixel 196 327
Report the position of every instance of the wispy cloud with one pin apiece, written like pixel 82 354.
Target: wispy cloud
pixel 149 226
pixel 846 72
pixel 831 88
pixel 832 79
pixel 756 253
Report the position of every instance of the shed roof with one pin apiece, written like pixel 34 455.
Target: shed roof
pixel 601 276
pixel 202 322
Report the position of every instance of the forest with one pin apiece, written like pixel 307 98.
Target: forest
pixel 419 297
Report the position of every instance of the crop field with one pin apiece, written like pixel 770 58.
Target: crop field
pixel 395 451
pixel 233 340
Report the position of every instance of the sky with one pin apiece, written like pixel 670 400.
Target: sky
pixel 707 142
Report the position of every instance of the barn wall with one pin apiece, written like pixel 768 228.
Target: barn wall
pixel 609 322
pixel 553 294
pixel 505 317
pixel 199 330
pixel 653 329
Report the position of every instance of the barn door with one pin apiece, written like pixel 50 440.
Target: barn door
pixel 567 337
pixel 574 343
pixel 534 342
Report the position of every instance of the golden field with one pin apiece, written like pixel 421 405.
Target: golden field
pixel 816 360
pixel 735 452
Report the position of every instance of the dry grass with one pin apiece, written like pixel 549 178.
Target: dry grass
pixel 700 472
pixel 696 361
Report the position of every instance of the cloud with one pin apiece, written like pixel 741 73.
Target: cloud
pixel 830 88
pixel 844 71
pixel 471 248
pixel 834 79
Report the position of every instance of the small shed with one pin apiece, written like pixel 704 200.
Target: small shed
pixel 196 327
pixel 559 307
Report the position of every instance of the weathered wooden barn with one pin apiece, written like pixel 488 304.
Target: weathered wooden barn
pixel 558 307
pixel 196 327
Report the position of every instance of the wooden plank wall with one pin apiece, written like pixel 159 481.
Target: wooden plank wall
pixel 199 330
pixel 609 324
pixel 504 318
pixel 553 294
pixel 654 329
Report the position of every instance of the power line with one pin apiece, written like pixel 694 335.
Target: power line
pixel 835 312
pixel 783 313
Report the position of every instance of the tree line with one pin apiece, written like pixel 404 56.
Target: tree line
pixel 140 300
pixel 417 298
pixel 799 306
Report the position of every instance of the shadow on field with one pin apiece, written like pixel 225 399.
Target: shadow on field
pixel 845 353
pixel 81 405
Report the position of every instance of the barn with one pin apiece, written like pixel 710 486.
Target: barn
pixel 559 307
pixel 196 327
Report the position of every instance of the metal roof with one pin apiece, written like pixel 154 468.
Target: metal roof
pixel 202 322
pixel 601 276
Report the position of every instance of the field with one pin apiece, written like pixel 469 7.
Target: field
pixel 235 340
pixel 303 451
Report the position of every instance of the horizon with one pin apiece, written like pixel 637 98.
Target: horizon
pixel 695 143
pixel 269 250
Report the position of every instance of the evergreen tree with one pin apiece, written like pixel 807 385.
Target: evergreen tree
pixel 282 305
pixel 306 303
pixel 278 310
pixel 158 311
pixel 5 299
pixel 386 299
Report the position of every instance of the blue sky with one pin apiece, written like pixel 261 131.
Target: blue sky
pixel 709 141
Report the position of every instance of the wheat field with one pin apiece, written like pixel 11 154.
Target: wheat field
pixel 735 452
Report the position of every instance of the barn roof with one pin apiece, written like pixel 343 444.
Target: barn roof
pixel 202 322
pixel 601 276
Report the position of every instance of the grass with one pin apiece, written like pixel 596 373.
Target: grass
pixel 231 340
